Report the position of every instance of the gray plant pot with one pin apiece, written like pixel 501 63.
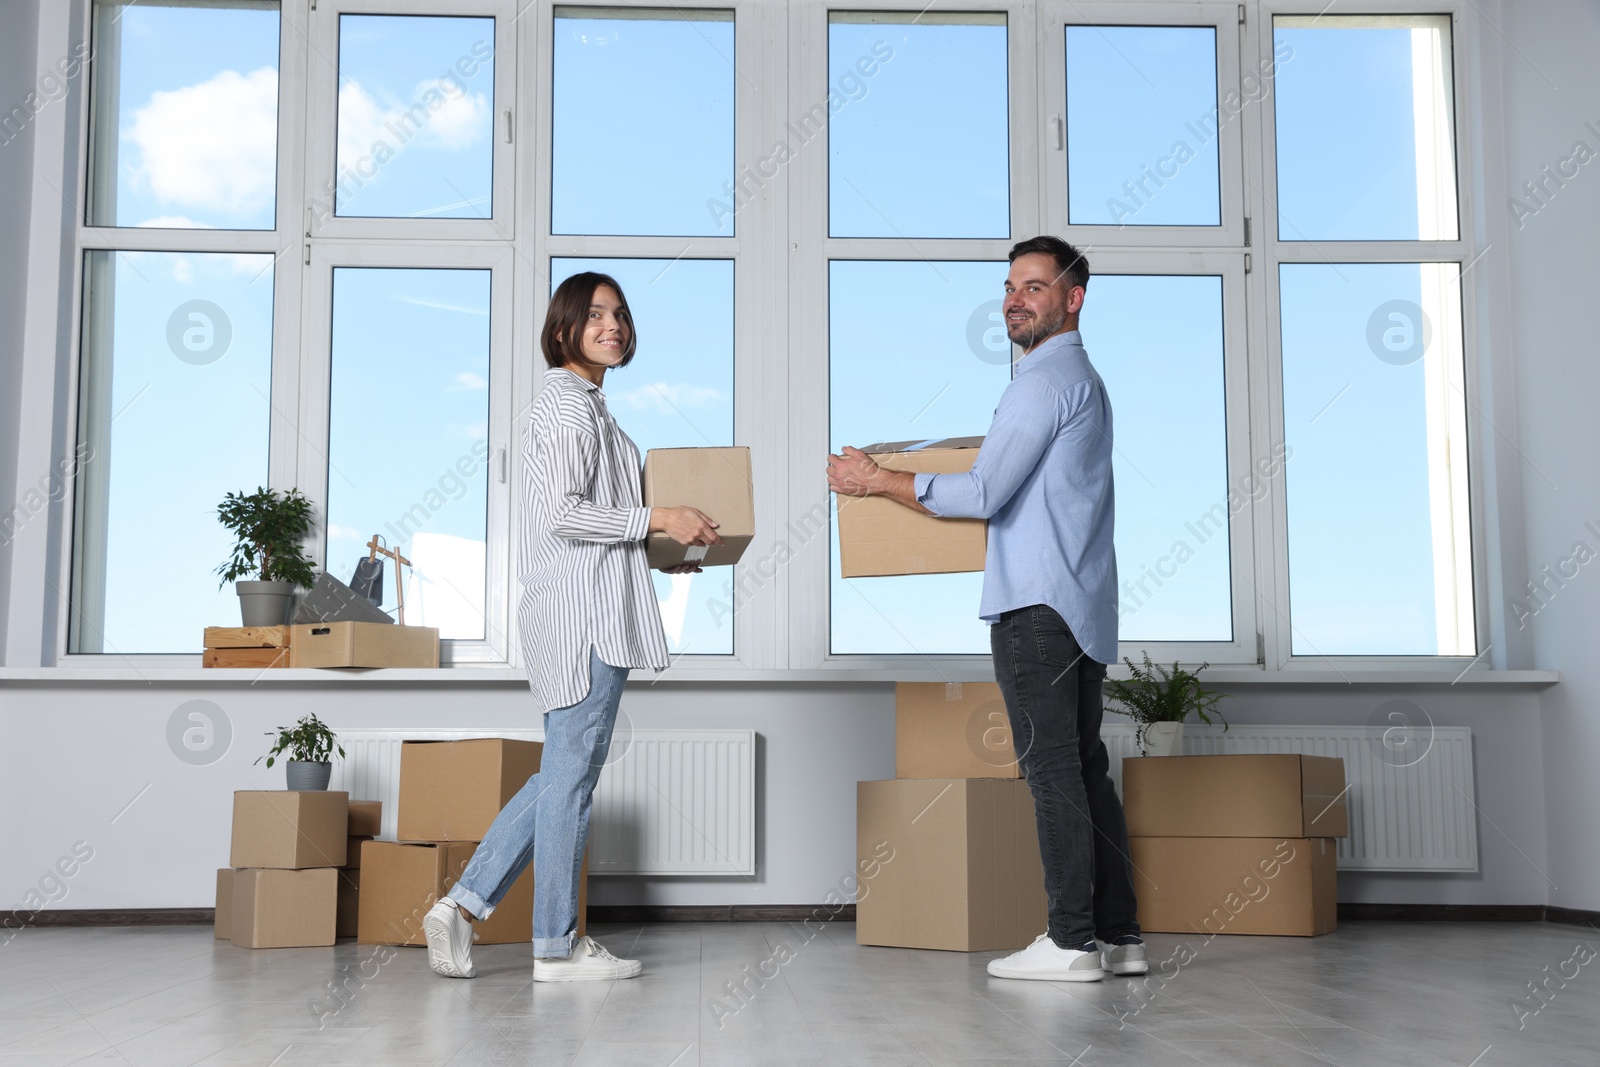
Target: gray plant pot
pixel 265 603
pixel 306 776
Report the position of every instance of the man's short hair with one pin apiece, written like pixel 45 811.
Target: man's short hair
pixel 1070 262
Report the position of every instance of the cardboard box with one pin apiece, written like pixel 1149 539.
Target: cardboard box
pixel 948 863
pixel 363 644
pixel 452 790
pixel 880 537
pixel 952 730
pixel 349 904
pixel 400 882
pixel 289 829
pixel 222 926
pixel 352 852
pixel 1265 795
pixel 285 909
pixel 715 480
pixel 1236 885
pixel 366 818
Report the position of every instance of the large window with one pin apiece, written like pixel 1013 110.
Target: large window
pixel 317 243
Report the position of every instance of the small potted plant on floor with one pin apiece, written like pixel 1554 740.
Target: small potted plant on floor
pixel 310 745
pixel 269 554
pixel 1159 700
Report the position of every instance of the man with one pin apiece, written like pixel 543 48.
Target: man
pixel 1043 481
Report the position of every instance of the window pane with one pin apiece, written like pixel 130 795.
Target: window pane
pixel 643 113
pixel 1142 125
pixel 408 450
pixel 916 116
pixel 416 117
pixel 185 128
pixel 1165 377
pixel 1380 548
pixel 934 368
pixel 678 393
pixel 177 353
pixel 1364 126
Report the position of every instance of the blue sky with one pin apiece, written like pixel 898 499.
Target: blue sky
pixel 917 148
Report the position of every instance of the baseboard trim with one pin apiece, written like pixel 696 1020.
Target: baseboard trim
pixel 1452 913
pixel 1572 916
pixel 794 913
pixel 648 913
pixel 12 920
pixel 719 913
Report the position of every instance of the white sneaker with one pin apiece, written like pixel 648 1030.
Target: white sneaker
pixel 588 963
pixel 1124 959
pixel 449 941
pixel 1045 961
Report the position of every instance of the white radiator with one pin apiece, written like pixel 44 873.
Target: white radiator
pixel 1420 817
pixel 668 802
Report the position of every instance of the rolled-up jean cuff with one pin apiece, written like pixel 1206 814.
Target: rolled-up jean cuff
pixel 475 905
pixel 558 948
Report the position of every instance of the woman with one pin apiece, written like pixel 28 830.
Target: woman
pixel 587 615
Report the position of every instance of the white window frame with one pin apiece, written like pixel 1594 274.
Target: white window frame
pixel 1273 252
pixel 781 253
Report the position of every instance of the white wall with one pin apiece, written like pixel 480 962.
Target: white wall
pixel 1552 90
pixel 72 756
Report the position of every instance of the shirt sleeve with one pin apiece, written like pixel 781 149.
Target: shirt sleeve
pixel 568 457
pixel 1024 425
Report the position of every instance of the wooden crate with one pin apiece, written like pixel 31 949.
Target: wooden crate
pixel 248 636
pixel 249 647
pixel 245 657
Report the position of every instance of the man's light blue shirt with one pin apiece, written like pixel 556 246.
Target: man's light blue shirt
pixel 1043 481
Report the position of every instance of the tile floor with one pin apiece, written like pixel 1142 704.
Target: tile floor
pixel 1371 994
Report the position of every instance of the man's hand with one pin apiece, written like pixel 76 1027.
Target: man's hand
pixel 854 473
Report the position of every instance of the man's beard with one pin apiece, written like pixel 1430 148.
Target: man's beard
pixel 1032 331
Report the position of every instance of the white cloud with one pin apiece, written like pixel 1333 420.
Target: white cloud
pixel 343 533
pixel 664 398
pixel 211 146
pixel 438 114
pixel 174 222
pixel 467 380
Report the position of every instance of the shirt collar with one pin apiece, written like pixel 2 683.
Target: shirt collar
pixel 557 373
pixel 1072 338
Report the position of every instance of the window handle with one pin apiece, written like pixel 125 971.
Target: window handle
pixel 508 125
pixel 1055 132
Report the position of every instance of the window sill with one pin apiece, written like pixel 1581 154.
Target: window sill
pixel 491 674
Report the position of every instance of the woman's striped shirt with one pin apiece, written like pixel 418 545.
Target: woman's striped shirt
pixel 582 560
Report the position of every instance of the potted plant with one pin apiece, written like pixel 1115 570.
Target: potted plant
pixel 1159 700
pixel 310 745
pixel 269 553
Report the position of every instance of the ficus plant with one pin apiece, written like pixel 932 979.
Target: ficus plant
pixel 271 528
pixel 1154 694
pixel 307 741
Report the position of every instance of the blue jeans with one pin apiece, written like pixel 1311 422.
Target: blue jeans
pixel 547 822
pixel 1053 699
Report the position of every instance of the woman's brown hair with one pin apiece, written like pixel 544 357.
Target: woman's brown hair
pixel 564 322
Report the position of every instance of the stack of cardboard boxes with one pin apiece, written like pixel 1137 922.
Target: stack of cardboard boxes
pixel 282 888
pixel 1235 844
pixel 450 793
pixel 948 851
pixel 366 823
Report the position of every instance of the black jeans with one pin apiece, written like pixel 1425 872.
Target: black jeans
pixel 1052 694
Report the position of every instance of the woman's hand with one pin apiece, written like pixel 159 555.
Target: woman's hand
pixel 687 526
pixel 682 568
